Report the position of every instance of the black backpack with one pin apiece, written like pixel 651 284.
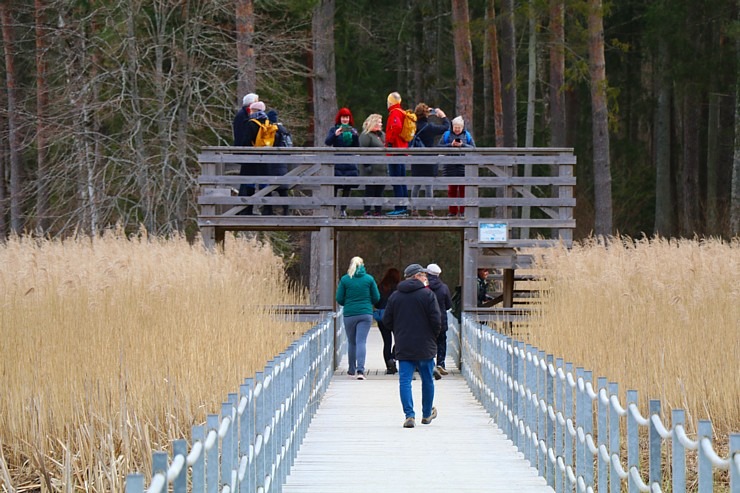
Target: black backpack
pixel 416 141
pixel 286 140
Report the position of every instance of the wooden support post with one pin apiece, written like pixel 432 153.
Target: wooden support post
pixel 508 288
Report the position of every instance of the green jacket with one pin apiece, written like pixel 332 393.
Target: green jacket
pixel 357 294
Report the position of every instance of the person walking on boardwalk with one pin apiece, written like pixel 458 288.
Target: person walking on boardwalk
pixel 444 299
pixel 388 285
pixel 413 315
pixel 357 293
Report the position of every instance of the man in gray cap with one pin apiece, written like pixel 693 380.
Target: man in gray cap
pixel 413 315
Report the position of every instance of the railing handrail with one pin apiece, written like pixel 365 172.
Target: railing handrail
pixel 546 409
pixel 251 445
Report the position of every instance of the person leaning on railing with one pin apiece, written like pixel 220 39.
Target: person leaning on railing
pixel 457 137
pixel 373 136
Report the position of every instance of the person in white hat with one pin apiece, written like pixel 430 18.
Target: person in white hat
pixel 444 299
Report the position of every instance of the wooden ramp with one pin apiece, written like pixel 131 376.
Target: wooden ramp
pixel 356 441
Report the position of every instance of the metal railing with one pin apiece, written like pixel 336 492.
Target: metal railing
pixel 548 410
pixel 252 444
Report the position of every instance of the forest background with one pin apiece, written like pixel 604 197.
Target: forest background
pixel 107 102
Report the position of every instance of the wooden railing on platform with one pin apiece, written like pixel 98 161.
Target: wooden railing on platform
pixel 494 181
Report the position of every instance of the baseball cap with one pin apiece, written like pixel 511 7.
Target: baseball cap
pixel 413 269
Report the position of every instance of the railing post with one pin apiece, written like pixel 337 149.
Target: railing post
pixel 580 420
pixel 531 379
pixel 212 456
pixel 559 429
pixel 134 483
pixel 259 430
pixel 656 474
pixel 244 433
pixel 541 415
pixel 550 426
pixel 588 429
pixel 198 474
pixel 602 435
pixel 704 430
pixel 569 439
pixel 227 464
pixel 159 465
pixel 678 453
pixel 514 394
pixel 734 466
pixel 615 483
pixel 180 484
pixel 509 395
pixel 633 440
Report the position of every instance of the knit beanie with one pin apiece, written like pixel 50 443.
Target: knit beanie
pixel 458 120
pixel 272 115
pixel 258 106
pixel 393 98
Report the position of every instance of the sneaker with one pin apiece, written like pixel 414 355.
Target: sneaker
pixel 442 370
pixel 426 421
pixel 342 213
pixel 410 422
pixel 360 375
pixel 397 213
pixel 430 213
pixel 451 215
pixel 367 214
pixel 391 371
pixel 415 213
pixel 377 214
pixel 351 374
pixel 437 375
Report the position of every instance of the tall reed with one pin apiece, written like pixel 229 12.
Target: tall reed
pixel 660 316
pixel 112 347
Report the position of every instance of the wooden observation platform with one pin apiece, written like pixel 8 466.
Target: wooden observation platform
pixel 515 198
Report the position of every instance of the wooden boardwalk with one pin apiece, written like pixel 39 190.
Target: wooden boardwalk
pixel 356 441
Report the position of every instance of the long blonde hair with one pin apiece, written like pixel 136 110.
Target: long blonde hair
pixel 354 264
pixel 369 124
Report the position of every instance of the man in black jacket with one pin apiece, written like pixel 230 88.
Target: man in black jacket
pixel 413 315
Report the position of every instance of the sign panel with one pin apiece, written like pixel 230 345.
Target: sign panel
pixel 492 232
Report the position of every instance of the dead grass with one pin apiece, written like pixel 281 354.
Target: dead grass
pixel 659 316
pixel 112 347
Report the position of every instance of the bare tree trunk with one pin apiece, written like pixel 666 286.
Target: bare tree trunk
pixel 136 117
pixel 246 65
pixel 531 100
pixel 600 124
pixel 492 37
pixel 324 70
pixel 508 73
pixel 463 61
pixel 735 192
pixel 713 130
pixel 690 174
pixel 557 74
pixel 16 221
pixel 664 212
pixel 42 104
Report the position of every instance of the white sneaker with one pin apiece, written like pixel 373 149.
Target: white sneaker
pixel 360 376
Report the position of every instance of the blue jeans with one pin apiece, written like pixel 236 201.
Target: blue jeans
pixel 357 328
pixel 399 190
pixel 405 374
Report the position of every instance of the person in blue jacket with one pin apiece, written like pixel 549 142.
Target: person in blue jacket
pixel 357 292
pixel 344 134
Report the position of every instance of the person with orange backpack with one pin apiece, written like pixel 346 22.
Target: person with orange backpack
pixel 397 132
pixel 254 136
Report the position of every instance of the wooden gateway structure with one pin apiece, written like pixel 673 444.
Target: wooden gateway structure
pixel 514 198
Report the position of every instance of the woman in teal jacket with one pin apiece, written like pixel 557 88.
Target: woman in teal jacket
pixel 357 293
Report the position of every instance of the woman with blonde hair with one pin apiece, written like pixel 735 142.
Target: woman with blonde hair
pixel 373 136
pixel 357 293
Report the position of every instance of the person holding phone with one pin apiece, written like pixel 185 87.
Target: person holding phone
pixel 426 134
pixel 456 137
pixel 343 134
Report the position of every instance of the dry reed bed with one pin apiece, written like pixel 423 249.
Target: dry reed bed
pixel 113 347
pixel 659 316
